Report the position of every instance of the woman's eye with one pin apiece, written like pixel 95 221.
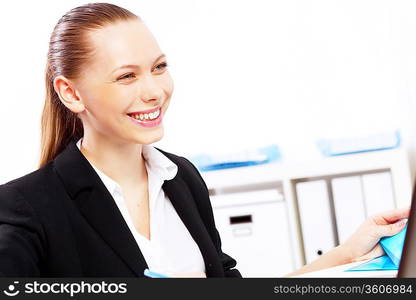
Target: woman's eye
pixel 161 66
pixel 127 76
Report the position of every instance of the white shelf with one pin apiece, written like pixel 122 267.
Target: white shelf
pixel 395 160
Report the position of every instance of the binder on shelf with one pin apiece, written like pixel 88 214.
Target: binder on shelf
pixel 315 217
pixel 349 205
pixel 378 192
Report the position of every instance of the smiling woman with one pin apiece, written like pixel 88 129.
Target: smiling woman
pixel 114 204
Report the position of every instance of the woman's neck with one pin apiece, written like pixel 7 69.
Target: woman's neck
pixel 122 162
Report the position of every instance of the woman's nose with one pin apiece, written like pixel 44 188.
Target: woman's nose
pixel 150 90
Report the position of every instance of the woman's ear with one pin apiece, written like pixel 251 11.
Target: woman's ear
pixel 68 94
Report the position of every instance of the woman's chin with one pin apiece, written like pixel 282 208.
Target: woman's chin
pixel 149 138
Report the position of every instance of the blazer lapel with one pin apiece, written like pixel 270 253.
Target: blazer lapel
pixel 182 200
pixel 95 202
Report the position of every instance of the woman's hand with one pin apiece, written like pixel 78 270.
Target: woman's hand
pixel 363 244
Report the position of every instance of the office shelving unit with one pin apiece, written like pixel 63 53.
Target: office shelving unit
pixel 258 214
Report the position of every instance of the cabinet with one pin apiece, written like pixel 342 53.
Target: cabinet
pixel 243 219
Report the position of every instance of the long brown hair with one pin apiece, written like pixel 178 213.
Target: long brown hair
pixel 68 53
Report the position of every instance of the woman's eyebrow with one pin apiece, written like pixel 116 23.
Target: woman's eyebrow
pixel 136 66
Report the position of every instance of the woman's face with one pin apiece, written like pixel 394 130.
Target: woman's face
pixel 126 88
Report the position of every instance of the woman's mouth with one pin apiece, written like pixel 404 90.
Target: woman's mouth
pixel 149 118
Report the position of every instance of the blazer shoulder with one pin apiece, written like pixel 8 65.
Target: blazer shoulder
pixel 23 240
pixel 29 183
pixel 177 159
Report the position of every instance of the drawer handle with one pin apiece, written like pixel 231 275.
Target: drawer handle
pixel 241 219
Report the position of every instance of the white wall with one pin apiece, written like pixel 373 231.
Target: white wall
pixel 247 73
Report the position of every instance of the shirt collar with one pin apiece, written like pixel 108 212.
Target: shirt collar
pixel 156 162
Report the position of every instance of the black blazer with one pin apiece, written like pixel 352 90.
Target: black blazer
pixel 61 221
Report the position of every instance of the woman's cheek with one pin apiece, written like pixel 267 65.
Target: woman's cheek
pixel 169 84
pixel 165 83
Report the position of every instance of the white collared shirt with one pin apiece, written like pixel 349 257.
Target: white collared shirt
pixel 171 249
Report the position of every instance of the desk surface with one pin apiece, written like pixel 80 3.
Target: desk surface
pixel 339 271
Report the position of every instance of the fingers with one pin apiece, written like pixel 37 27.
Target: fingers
pixel 390 229
pixel 392 216
pixel 376 252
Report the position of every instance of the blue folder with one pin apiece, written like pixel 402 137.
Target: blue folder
pixel 206 162
pixel 374 142
pixel 393 246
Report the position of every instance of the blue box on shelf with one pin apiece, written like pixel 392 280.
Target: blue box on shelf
pixel 205 162
pixel 374 142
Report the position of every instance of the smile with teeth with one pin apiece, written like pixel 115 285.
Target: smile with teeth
pixel 144 117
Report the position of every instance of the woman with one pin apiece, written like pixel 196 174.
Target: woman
pixel 104 202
